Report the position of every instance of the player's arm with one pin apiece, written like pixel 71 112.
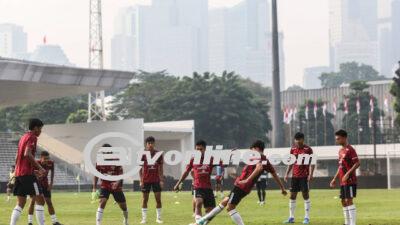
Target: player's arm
pixel 28 154
pixel 95 180
pixel 161 172
pixel 278 181
pixel 254 174
pixel 288 169
pixel 182 178
pixel 311 172
pixel 351 170
pixel 51 178
pixel 141 177
pixel 333 181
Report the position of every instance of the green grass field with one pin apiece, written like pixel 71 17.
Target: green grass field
pixel 373 207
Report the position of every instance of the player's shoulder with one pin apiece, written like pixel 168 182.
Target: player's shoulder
pixel 350 148
pixel 307 148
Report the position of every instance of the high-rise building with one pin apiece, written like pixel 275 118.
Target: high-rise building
pixel 395 20
pixel 13 41
pixel 353 32
pixel 52 54
pixel 240 40
pixel 311 76
pixel 167 35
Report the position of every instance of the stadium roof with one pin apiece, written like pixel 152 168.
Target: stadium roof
pixel 24 82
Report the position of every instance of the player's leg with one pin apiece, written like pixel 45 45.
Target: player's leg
pixel 350 194
pixel 344 205
pixel 199 204
pixel 294 189
pixel 39 208
pixel 234 214
pixel 103 198
pixel 214 212
pixel 145 200
pixel 31 209
pixel 157 194
pixel 50 208
pixel 305 190
pixel 16 213
pixel 259 194
pixel 119 197
pixel 263 194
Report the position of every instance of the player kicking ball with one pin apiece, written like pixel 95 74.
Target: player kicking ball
pixel 48 166
pixel 151 178
pixel 203 192
pixel 25 179
pixel 108 188
pixel 243 186
pixel 348 164
pixel 301 177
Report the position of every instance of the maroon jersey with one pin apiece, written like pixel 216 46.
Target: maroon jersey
pixel 110 170
pixel 347 158
pixel 22 165
pixel 151 173
pixel 47 166
pixel 248 170
pixel 301 171
pixel 201 173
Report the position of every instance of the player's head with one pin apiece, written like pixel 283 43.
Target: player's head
pixel 44 156
pixel 258 145
pixel 150 142
pixel 12 168
pixel 341 137
pixel 299 138
pixel 35 126
pixel 201 145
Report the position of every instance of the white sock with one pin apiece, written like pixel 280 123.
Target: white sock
pixel 16 213
pixel 125 214
pixel 197 217
pixel 346 216
pixel 30 218
pixel 99 216
pixel 236 217
pixel 144 213
pixel 352 214
pixel 215 211
pixel 54 218
pixel 158 213
pixel 307 207
pixel 39 214
pixel 292 208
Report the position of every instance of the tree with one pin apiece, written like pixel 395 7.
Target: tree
pixel 318 131
pixel 358 125
pixel 224 109
pixel 395 91
pixel 349 72
pixel 294 88
pixel 79 116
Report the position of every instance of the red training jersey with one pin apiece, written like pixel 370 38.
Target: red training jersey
pixel 347 158
pixel 301 171
pixel 151 173
pixel 110 170
pixel 22 165
pixel 201 173
pixel 44 181
pixel 248 170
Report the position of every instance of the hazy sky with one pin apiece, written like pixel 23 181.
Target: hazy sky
pixel 65 22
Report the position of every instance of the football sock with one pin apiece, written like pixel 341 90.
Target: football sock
pixel 54 218
pixel 307 207
pixel 125 214
pixel 214 212
pixel 346 216
pixel 30 218
pixel 235 216
pixel 159 213
pixel 99 216
pixel 292 208
pixel 144 213
pixel 352 214
pixel 39 214
pixel 16 213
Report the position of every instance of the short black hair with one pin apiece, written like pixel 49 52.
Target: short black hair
pixel 341 133
pixel 258 144
pixel 34 122
pixel 150 139
pixel 299 136
pixel 106 145
pixel 201 143
pixel 44 153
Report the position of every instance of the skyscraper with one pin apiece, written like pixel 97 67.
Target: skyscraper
pixel 13 41
pixel 240 41
pixel 353 32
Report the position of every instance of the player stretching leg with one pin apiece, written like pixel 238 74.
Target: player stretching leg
pixel 301 177
pixel 243 185
pixel 151 178
pixel 25 179
pixel 11 183
pixel 219 181
pixel 261 185
pixel 348 164
pixel 202 181
pixel 110 187
pixel 48 165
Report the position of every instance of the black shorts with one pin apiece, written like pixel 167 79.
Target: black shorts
pixel 27 185
pixel 299 184
pixel 147 187
pixel 348 191
pixel 236 196
pixel 10 186
pixel 118 195
pixel 262 184
pixel 46 193
pixel 207 195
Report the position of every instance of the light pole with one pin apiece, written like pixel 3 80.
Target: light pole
pixel 277 131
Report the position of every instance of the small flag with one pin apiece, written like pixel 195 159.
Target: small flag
pixel 315 110
pixel 358 106
pixel 370 120
pixel 346 105
pixel 386 104
pixel 392 121
pixel 381 122
pixel 324 109
pixel 371 104
pixel 294 113
pixel 285 115
pixel 306 111
pixel 44 40
pixel 334 107
pixel 290 115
